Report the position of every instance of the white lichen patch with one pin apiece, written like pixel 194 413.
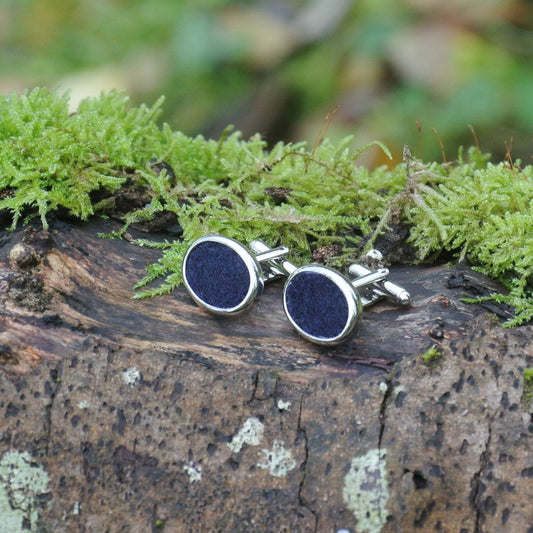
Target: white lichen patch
pixel 131 376
pixel 11 519
pixel 283 405
pixel 397 390
pixel 278 461
pixel 365 491
pixel 21 481
pixel 251 433
pixel 194 471
pixel 83 404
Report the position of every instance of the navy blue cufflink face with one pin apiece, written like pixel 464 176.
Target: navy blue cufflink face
pixel 221 275
pixel 321 304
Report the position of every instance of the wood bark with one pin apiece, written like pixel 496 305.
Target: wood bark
pixel 151 415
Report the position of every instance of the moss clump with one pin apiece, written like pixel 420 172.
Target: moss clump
pixel 432 356
pixel 482 212
pixel 54 162
pixel 51 159
pixel 527 396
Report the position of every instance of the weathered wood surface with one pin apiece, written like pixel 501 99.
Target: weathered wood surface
pixel 154 416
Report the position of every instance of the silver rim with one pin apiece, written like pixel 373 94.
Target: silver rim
pixel 353 301
pixel 254 269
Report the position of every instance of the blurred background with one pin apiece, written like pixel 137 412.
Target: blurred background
pixel 400 71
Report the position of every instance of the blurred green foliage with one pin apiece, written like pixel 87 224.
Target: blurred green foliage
pixel 278 67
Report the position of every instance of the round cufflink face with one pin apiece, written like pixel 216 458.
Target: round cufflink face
pixel 321 304
pixel 221 275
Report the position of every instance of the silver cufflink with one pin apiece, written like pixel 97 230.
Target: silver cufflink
pixel 222 276
pixel 324 306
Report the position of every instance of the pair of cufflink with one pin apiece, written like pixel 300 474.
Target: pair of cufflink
pixel 324 306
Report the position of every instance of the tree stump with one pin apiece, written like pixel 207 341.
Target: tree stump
pixel 151 415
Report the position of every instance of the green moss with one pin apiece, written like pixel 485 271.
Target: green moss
pixel 432 356
pixel 51 159
pixel 56 163
pixel 527 396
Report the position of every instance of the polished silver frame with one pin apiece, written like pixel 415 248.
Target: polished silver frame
pixel 353 299
pixel 254 269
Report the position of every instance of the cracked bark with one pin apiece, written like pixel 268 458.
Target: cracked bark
pixel 477 486
pixel 303 467
pixel 51 388
pixel 383 408
pixel 130 406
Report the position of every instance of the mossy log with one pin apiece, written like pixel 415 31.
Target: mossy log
pixel 151 415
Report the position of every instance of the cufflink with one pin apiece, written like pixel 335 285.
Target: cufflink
pixel 324 306
pixel 224 277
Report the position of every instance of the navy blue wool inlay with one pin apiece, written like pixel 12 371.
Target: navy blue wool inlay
pixel 317 305
pixel 217 275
